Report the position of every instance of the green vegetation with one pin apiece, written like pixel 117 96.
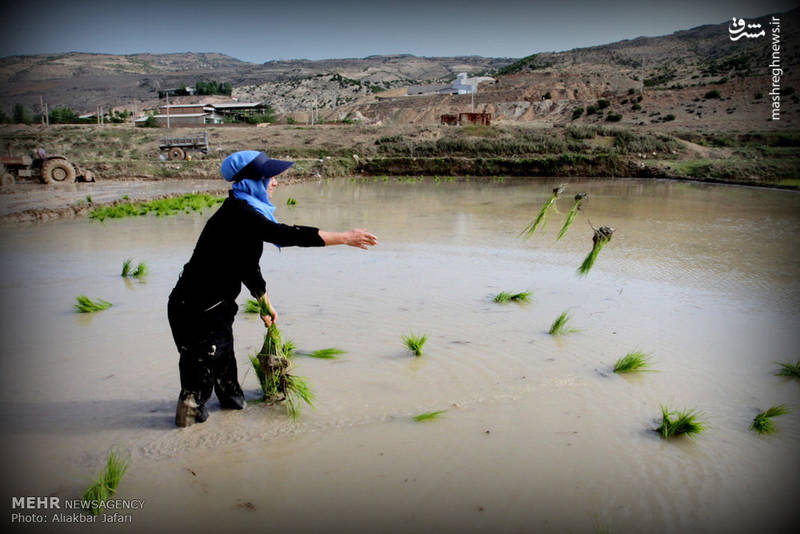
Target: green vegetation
pixel 86 305
pixel 603 103
pixel 573 212
pixel 762 423
pixel 291 202
pixel 714 93
pixel 213 88
pixel 325 354
pixel 614 117
pixel 789 370
pixel 415 343
pixel 577 112
pixel 252 306
pixel 428 416
pixel 559 326
pixel 633 361
pixel 505 296
pixel 140 271
pixel 683 422
pixel 601 237
pixel 541 218
pixel 105 486
pixel 162 207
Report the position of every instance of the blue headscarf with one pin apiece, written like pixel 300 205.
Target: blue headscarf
pixel 251 171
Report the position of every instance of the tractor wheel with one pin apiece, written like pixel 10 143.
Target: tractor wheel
pixel 88 176
pixel 6 179
pixel 176 153
pixel 58 170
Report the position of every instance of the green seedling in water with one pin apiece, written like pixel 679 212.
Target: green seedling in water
pixel 271 366
pixel 325 354
pixel 573 212
pixel 86 305
pixel 88 199
pixel 140 271
pixel 291 202
pixel 762 423
pixel 559 326
pixel 105 486
pixel 683 422
pixel 602 236
pixel 505 296
pixel 789 370
pixel 428 416
pixel 415 343
pixel 541 218
pixel 633 361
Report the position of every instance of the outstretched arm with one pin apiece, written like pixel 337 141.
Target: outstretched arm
pixel 358 237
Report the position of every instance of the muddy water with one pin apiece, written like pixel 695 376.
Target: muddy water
pixel 538 435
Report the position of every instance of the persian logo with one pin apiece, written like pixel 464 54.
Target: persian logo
pixel 737 28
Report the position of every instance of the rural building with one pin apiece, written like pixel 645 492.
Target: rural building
pixel 462 85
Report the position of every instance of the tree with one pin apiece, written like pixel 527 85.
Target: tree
pixel 62 115
pixel 22 114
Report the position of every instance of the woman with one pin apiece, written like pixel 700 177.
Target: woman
pixel 203 304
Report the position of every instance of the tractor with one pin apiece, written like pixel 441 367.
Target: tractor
pixel 48 168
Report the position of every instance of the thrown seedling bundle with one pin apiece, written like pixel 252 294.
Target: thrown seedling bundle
pixel 683 422
pixel 415 343
pixel 105 485
pixel 139 272
pixel 762 423
pixel 84 304
pixel 541 218
pixel 601 237
pixel 573 212
pixel 428 416
pixel 505 296
pixel 559 326
pixel 633 361
pixel 789 370
pixel 272 370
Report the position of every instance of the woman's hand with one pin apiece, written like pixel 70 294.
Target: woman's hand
pixel 267 313
pixel 360 238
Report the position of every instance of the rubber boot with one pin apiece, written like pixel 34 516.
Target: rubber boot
pixel 189 412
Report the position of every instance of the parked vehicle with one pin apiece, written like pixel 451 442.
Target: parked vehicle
pixel 177 148
pixel 48 168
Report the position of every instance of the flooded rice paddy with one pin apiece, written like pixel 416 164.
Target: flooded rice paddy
pixel 538 435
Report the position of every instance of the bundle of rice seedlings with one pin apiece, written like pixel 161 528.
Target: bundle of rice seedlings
pixel 86 305
pixel 415 343
pixel 428 416
pixel 633 361
pixel 762 423
pixel 559 326
pixel 602 236
pixel 324 354
pixel 684 422
pixel 271 366
pixel 573 212
pixel 252 306
pixel 291 202
pixel 541 218
pixel 105 485
pixel 505 296
pixel 787 369
pixel 139 272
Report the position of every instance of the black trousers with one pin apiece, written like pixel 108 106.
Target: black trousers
pixel 205 342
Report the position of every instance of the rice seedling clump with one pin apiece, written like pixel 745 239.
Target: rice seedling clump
pixel 105 485
pixel 763 424
pixel 325 354
pixel 252 306
pixel 415 343
pixel 559 326
pixel 161 207
pixel 541 218
pixel 291 202
pixel 573 212
pixel 789 370
pixel 601 237
pixel 277 384
pixel 428 416
pixel 633 361
pixel 86 305
pixel 505 296
pixel 140 271
pixel 675 423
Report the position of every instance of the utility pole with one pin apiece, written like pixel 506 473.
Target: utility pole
pixel 41 107
pixel 167 95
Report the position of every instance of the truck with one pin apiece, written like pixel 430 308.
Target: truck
pixel 48 168
pixel 177 147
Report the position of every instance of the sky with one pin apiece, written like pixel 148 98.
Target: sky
pixel 259 31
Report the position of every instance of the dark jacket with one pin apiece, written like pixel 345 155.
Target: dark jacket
pixel 228 251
